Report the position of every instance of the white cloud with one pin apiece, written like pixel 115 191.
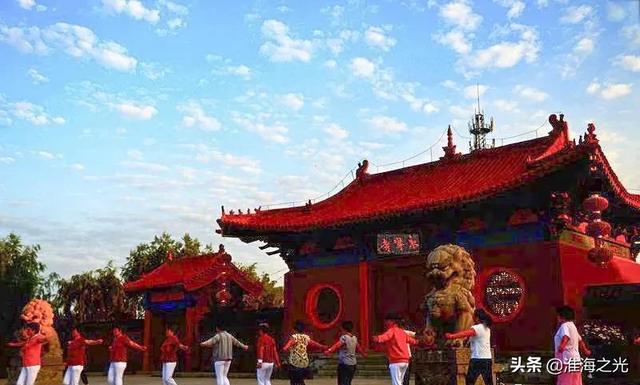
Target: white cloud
pixel 292 101
pixel 456 40
pixel 609 91
pixel 505 105
pixel 205 154
pixel 575 14
pixel 471 92
pixel 78 167
pixel 450 84
pixel 628 62
pixel 134 9
pixel 34 114
pixel 75 40
pixel 459 14
pixel 430 108
pixel 614 91
pixel 508 54
pixel 195 116
pixel 593 87
pixel 29 4
pixel 6 159
pixel 281 47
pixel 276 133
pixel 632 33
pixel 377 37
pixel 584 47
pixel 387 124
pixel 336 132
pixel 153 71
pixel 178 9
pixel 137 111
pixel 145 166
pixel 362 67
pixel 241 70
pixel 615 12
pixel 45 155
pixel 37 77
pixel 516 7
pixel 531 93
pixel 330 64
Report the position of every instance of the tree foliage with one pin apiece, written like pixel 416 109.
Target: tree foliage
pixel 95 295
pixel 272 294
pixel 20 277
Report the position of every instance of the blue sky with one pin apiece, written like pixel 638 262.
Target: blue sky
pixel 120 119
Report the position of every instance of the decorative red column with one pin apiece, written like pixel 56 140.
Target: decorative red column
pixel 146 362
pixel 188 337
pixel 363 269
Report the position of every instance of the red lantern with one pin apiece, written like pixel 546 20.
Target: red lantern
pixel 595 203
pixel 600 256
pixel 223 296
pixel 598 229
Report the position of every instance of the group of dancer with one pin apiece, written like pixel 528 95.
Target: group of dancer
pixel 395 342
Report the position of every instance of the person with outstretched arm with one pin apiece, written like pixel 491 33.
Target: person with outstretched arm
pixel 76 357
pixel 568 343
pixel 169 355
pixel 118 350
pixel 297 346
pixel 266 354
pixel 396 344
pixel 481 362
pixel 347 347
pixel 222 344
pixel 30 350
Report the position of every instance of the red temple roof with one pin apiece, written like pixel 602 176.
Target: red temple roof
pixel 450 181
pixel 193 273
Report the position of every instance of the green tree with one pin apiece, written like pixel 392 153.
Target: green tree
pixel 20 277
pixel 272 294
pixel 95 295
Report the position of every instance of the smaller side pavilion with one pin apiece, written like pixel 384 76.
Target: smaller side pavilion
pixel 181 292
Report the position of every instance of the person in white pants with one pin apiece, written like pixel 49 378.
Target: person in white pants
pixel 397 372
pixel 169 355
pixel 222 344
pixel 118 356
pixel 76 354
pixel 30 350
pixel 267 355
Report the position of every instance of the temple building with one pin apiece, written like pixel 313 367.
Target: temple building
pixel 181 292
pixel 546 220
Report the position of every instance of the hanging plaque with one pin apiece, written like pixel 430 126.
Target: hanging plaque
pixel 398 244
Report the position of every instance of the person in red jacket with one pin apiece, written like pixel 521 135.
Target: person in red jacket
pixel 169 355
pixel 30 350
pixel 267 355
pixel 76 353
pixel 118 356
pixel 396 345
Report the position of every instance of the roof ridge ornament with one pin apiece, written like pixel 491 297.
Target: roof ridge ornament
pixel 362 170
pixel 450 148
pixel 558 125
pixel 590 137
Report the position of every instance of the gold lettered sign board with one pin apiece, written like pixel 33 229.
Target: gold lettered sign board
pixel 585 242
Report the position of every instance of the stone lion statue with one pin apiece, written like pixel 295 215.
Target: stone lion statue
pixel 449 305
pixel 40 312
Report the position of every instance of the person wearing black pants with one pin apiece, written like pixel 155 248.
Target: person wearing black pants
pixel 481 359
pixel 348 346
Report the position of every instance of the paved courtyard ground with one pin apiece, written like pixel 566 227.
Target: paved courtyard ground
pixel 146 380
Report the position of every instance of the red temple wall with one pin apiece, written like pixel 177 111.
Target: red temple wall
pixel 344 278
pixel 578 273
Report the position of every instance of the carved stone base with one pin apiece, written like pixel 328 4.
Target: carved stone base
pixel 443 367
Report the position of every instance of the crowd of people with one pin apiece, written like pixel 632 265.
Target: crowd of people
pixel 395 342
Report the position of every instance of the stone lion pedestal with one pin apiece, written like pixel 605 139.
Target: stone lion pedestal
pixel 443 367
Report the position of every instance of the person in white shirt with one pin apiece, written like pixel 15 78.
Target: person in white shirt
pixel 568 344
pixel 480 338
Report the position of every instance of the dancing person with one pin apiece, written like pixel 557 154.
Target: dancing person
pixel 222 344
pixel 396 342
pixel 297 346
pixel 267 355
pixel 30 351
pixel 118 355
pixel 347 346
pixel 568 344
pixel 481 362
pixel 169 355
pixel 76 356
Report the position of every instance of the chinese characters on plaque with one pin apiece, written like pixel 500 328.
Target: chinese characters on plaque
pixel 398 244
